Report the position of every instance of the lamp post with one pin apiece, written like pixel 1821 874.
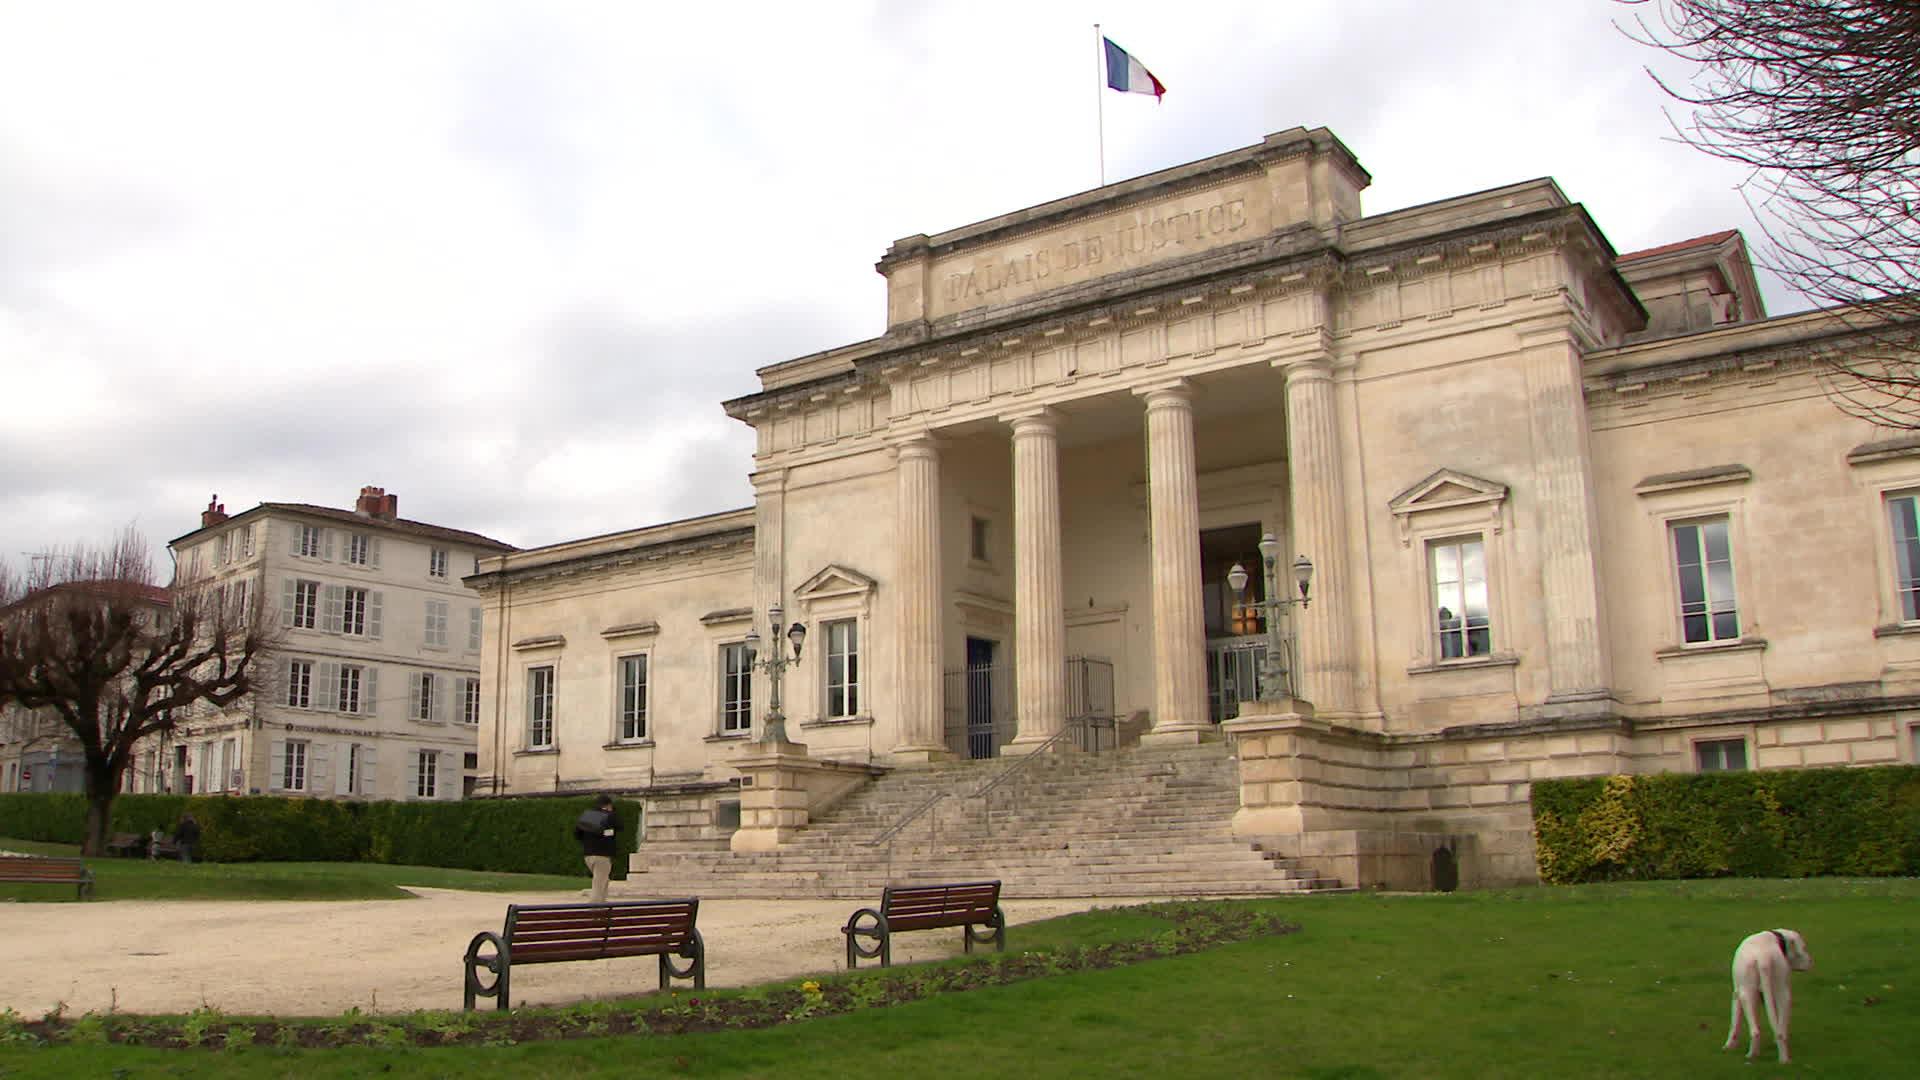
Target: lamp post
pixel 1273 672
pixel 775 665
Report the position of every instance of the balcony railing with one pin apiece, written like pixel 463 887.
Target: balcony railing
pixel 980 713
pixel 1233 674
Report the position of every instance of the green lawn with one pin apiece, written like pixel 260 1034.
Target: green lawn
pixel 166 879
pixel 1600 981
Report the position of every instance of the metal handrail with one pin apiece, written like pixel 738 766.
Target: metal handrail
pixel 894 829
pixel 986 789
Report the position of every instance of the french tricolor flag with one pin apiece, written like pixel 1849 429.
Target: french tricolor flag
pixel 1128 75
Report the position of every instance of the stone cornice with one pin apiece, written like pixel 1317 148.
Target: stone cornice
pixel 724 542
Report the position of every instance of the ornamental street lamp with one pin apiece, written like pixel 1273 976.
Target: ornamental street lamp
pixel 1274 672
pixel 775 665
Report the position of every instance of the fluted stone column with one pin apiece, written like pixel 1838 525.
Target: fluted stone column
pixel 1323 643
pixel 1179 621
pixel 918 619
pixel 1039 599
pixel 1578 666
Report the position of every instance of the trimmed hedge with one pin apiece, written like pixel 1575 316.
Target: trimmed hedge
pixel 533 836
pixel 1776 823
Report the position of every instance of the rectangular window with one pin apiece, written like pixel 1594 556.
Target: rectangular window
pixel 633 698
pixel 1904 514
pixel 470 701
pixel 473 629
pixel 352 681
pixel 227 747
pixel 437 562
pixel 223 549
pixel 310 541
pixel 242 589
pixel 436 633
pixel 358 545
pixel 426 697
pixel 977 536
pixel 1720 755
pixel 246 542
pixel 353 770
pixel 736 688
pixel 470 760
pixel 843 668
pixel 1703 558
pixel 353 612
pixel 306 605
pixel 1460 599
pixel 426 773
pixel 300 684
pixel 293 767
pixel 539 708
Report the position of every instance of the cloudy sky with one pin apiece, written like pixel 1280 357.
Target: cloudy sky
pixel 506 259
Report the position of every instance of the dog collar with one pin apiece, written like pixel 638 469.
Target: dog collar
pixel 1782 939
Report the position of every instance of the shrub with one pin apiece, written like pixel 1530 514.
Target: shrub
pixel 1777 823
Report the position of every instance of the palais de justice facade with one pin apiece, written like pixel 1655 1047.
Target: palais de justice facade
pixel 1570 513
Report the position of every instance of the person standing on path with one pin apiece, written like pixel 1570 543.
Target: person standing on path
pixel 186 837
pixel 598 830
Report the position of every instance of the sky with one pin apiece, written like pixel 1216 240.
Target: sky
pixel 505 260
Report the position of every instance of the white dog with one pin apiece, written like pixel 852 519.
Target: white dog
pixel 1762 967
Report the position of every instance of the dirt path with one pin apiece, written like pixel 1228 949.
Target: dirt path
pixel 321 958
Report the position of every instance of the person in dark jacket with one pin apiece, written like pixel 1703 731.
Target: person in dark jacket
pixel 598 831
pixel 186 837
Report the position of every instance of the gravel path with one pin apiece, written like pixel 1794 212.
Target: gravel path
pixel 321 958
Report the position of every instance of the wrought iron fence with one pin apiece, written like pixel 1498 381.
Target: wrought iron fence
pixel 1233 674
pixel 979 707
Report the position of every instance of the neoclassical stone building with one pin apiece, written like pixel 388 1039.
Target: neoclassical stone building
pixel 1570 512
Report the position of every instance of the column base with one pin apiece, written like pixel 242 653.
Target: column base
pixel 919 755
pixel 1180 735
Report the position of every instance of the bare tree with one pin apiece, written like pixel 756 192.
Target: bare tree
pixel 1821 100
pixel 88 634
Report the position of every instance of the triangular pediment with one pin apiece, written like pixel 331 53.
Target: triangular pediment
pixel 1445 488
pixel 833 580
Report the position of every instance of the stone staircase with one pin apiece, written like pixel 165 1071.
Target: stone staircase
pixel 1140 822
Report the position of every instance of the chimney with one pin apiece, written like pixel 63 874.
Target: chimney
pixel 214 514
pixel 377 504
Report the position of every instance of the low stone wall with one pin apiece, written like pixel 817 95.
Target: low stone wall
pixel 1371 808
pixel 688 816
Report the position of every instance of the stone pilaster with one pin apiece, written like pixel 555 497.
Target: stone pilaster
pixel 919 620
pixel 1179 622
pixel 1577 663
pixel 1039 602
pixel 1323 633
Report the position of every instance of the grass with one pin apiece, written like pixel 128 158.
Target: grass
pixel 166 879
pixel 1601 981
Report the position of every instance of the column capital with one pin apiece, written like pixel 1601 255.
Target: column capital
pixel 1037 418
pixel 774 479
pixel 921 443
pixel 1166 392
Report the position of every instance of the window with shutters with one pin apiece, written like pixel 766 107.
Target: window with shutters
pixel 436 629
pixel 300 684
pixel 352 683
pixel 633 698
pixel 357 549
pixel 223 549
pixel 305 605
pixel 473 629
pixel 293 765
pixel 437 563
pixel 470 701
pixel 428 699
pixel 540 708
pixel 242 596
pixel 426 774
pixel 246 542
pixel 310 541
pixel 353 612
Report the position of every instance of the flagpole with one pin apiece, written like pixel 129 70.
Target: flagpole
pixel 1099 98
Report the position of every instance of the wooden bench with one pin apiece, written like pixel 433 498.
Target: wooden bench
pixel 163 847
pixel 925 907
pixel 42 869
pixel 127 843
pixel 552 933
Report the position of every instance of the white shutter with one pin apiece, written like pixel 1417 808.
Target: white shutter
pixel 373 552
pixel 369 779
pixel 447 776
pixel 370 691
pixel 326 695
pixel 341 778
pixel 286 603
pixel 414 679
pixel 373 614
pixel 440 683
pixel 326 544
pixel 294 532
pixel 473 629
pixel 317 766
pixel 276 764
